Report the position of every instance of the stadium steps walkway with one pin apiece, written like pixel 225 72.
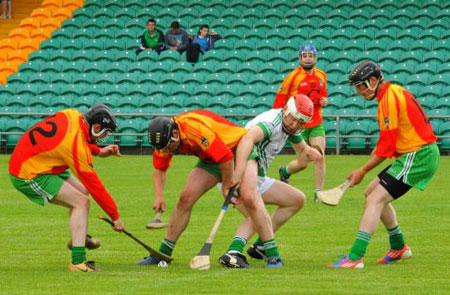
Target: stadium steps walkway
pixel 20 9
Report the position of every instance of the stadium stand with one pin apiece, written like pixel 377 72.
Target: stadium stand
pixel 74 52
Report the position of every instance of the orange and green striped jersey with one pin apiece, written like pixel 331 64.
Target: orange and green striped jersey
pixel 204 134
pixel 55 144
pixel 404 125
pixel 300 82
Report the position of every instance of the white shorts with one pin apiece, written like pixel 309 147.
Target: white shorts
pixel 264 183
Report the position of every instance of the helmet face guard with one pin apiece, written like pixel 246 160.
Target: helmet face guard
pixel 362 73
pixel 304 49
pixel 102 115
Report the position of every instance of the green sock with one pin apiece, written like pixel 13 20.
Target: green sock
pixel 237 245
pixel 360 246
pixel 396 238
pixel 167 247
pixel 271 248
pixel 259 242
pixel 78 254
pixel 284 172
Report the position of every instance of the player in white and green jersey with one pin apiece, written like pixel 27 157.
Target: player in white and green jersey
pixel 269 133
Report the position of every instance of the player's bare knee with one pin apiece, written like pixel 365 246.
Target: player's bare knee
pixel 300 200
pixel 373 200
pixel 249 202
pixel 83 202
pixel 186 200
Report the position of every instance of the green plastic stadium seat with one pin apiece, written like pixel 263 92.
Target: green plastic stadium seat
pixel 419 80
pixel 439 24
pixel 80 78
pixel 337 68
pixel 269 90
pixel 398 78
pixel 216 79
pixel 434 56
pixel 142 90
pixel 151 102
pixel 226 67
pixel 407 68
pixel 440 80
pixel 204 90
pixel 50 67
pixel 194 79
pixel 197 102
pixel 426 68
pixel 170 55
pixel 214 55
pixel 238 79
pixel 353 102
pixel 431 90
pixel 218 102
pixel 227 91
pixel 443 68
pixel 18 79
pixel 269 67
pixel 342 34
pixel 148 78
pixel 205 67
pixel 411 56
pixel 260 79
pixel 183 90
pixel 161 89
pixel 41 78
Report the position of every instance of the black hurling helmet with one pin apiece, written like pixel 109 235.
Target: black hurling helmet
pixel 102 115
pixel 160 132
pixel 362 73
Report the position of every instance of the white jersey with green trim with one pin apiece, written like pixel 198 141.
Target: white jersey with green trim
pixel 271 123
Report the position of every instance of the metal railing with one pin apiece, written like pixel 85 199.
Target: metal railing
pixel 338 118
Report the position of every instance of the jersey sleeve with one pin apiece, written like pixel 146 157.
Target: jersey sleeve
pixel 283 91
pixel 161 161
pixel 95 150
pixel 79 160
pixel 205 138
pixel 388 115
pixel 296 138
pixel 267 129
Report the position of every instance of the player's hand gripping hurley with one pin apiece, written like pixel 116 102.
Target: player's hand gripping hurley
pixel 156 222
pixel 202 260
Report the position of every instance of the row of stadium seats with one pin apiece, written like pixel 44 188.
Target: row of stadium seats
pixel 183 76
pixel 148 88
pixel 231 19
pixel 265 4
pixel 398 72
pixel 241 54
pixel 139 125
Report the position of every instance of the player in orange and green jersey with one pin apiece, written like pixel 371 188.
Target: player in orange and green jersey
pixel 213 139
pixel 312 82
pixel 405 135
pixel 38 169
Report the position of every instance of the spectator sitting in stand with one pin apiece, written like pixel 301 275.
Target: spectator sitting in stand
pixel 176 38
pixel 202 43
pixel 152 39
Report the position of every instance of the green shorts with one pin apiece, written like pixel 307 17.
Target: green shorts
pixel 214 168
pixel 42 188
pixel 317 131
pixel 416 168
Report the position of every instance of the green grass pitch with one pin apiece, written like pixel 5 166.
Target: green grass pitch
pixel 34 257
